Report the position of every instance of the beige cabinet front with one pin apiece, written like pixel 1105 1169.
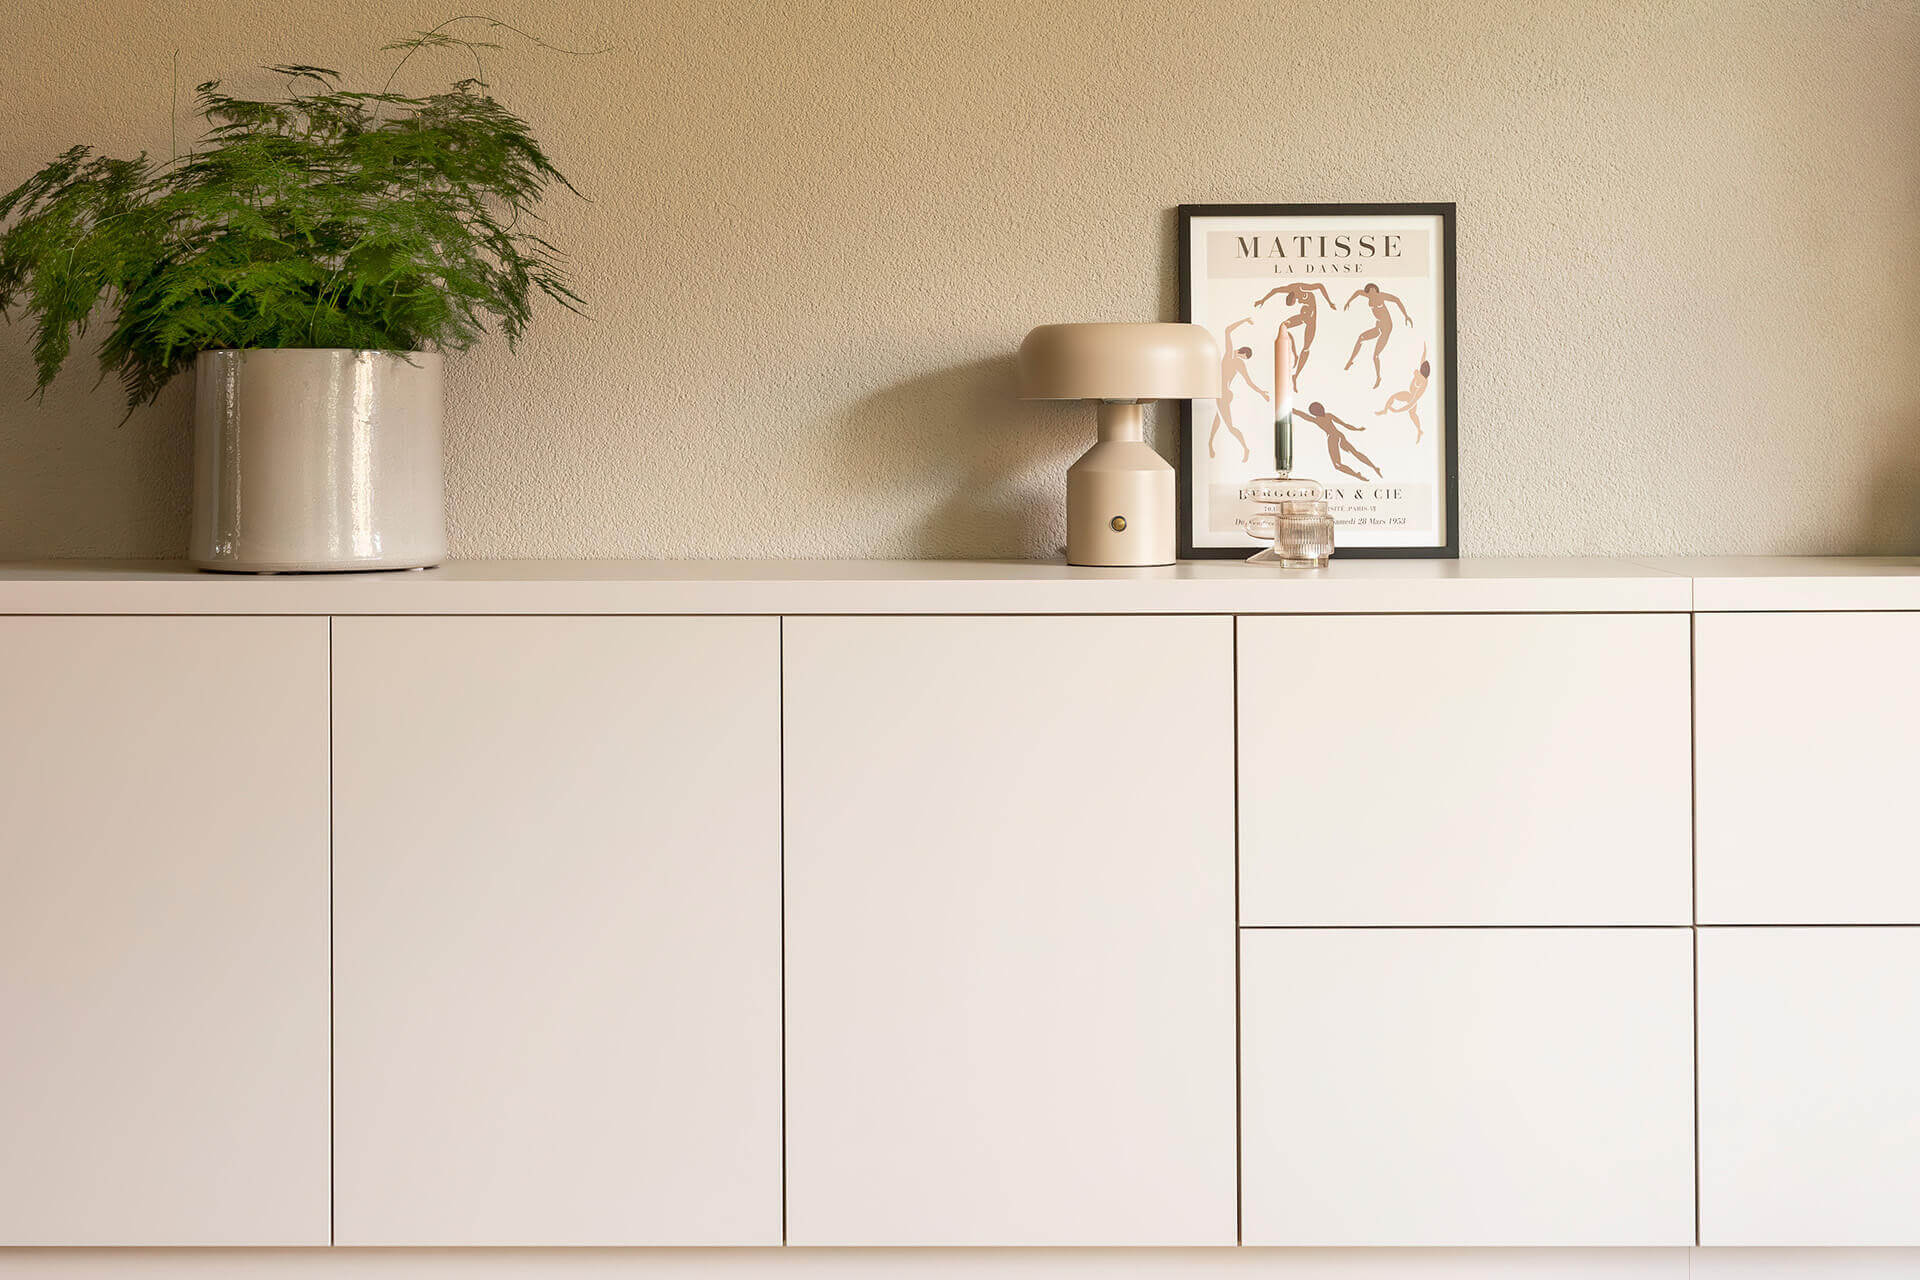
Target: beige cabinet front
pixel 557 925
pixel 1010 943
pixel 163 931
pixel 1467 1086
pixel 1809 1091
pixel 1465 770
pixel 1809 731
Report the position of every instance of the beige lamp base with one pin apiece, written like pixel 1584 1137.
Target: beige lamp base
pixel 1120 508
pixel 1120 496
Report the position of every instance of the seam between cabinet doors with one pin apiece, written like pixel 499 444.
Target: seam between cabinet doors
pixel 1239 1087
pixel 1808 924
pixel 1432 927
pixel 1693 872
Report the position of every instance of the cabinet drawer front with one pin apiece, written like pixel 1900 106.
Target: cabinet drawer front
pixel 163 931
pixel 1464 770
pixel 557 963
pixel 1809 1092
pixel 1467 1086
pixel 1809 743
pixel 1010 931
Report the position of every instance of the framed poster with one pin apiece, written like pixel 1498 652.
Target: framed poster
pixel 1346 311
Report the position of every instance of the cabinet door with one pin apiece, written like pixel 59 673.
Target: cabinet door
pixel 1010 945
pixel 1467 1086
pixel 1809 732
pixel 163 931
pixel 1465 770
pixel 1809 1091
pixel 557 924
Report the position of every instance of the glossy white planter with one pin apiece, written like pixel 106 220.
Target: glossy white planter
pixel 312 460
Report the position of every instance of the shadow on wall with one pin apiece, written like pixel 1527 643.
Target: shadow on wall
pixel 1169 274
pixel 1890 511
pixel 990 467
pixel 80 477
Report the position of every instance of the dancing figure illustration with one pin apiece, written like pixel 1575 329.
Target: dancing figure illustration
pixel 1408 401
pixel 1301 296
pixel 1337 442
pixel 1232 365
pixel 1382 325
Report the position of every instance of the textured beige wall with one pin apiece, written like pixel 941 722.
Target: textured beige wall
pixel 1689 234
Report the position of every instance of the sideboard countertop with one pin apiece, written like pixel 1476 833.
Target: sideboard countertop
pixel 851 587
pixel 1547 585
pixel 1742 584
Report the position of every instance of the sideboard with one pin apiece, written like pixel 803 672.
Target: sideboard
pixel 1551 903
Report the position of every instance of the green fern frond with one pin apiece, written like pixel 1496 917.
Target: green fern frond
pixel 327 218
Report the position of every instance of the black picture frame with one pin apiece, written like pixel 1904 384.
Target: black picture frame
pixel 1445 211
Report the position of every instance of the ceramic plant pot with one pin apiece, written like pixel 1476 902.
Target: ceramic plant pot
pixel 317 460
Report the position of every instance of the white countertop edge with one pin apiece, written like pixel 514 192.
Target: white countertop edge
pixel 1787 584
pixel 800 587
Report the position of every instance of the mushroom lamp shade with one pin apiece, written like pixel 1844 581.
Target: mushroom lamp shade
pixel 1120 494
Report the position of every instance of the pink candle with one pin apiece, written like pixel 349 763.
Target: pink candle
pixel 1282 373
pixel 1283 400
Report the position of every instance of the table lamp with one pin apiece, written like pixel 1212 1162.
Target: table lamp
pixel 1120 507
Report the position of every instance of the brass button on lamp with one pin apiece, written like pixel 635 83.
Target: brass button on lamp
pixel 1120 507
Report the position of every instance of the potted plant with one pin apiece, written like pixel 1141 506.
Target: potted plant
pixel 311 258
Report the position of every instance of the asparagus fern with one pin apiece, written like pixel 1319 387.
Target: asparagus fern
pixel 328 217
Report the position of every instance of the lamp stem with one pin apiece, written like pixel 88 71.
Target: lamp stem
pixel 1121 420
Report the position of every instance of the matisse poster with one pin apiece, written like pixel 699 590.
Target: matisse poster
pixel 1336 332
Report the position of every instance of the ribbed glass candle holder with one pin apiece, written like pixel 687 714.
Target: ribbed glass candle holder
pixel 1292 515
